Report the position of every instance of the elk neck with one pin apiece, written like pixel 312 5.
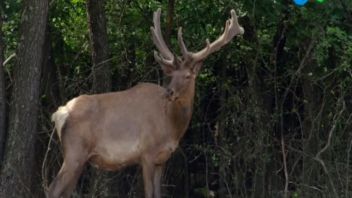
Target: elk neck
pixel 180 111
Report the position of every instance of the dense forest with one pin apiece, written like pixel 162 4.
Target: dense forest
pixel 272 109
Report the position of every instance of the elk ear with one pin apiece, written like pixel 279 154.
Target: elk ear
pixel 167 69
pixel 166 65
pixel 197 67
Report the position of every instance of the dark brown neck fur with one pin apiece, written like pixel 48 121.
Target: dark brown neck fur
pixel 180 112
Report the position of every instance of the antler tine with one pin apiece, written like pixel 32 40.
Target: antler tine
pixel 182 45
pixel 164 55
pixel 232 28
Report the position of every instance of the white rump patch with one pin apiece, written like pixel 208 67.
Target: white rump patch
pixel 59 117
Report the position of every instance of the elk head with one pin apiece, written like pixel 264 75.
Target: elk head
pixel 183 69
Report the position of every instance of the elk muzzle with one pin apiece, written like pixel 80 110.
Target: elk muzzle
pixel 171 95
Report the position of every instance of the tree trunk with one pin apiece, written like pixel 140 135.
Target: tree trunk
pixel 2 93
pixel 50 100
pixel 16 176
pixel 260 105
pixel 50 81
pixel 221 131
pixel 170 21
pixel 310 138
pixel 168 32
pixel 100 49
pixel 99 182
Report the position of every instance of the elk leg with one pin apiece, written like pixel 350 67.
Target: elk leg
pixel 148 173
pixel 66 180
pixel 157 181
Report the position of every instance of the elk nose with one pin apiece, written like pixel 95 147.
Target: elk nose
pixel 169 92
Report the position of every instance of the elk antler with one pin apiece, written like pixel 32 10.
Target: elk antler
pixel 232 28
pixel 182 45
pixel 164 56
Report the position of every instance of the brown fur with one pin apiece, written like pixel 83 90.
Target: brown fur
pixel 110 131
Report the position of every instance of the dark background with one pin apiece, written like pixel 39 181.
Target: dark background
pixel 272 114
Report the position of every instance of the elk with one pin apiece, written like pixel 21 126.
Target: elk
pixel 141 125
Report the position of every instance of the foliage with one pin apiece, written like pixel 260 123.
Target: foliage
pixel 284 86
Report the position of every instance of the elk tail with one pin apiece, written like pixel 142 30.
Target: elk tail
pixel 60 117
